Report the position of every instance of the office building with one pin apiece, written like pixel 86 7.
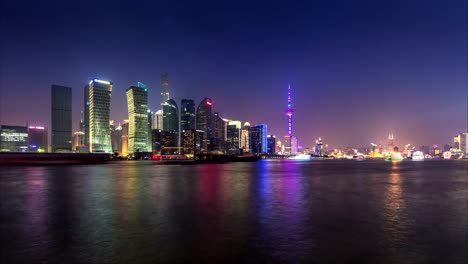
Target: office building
pixel 97 112
pixel 124 149
pixel 464 143
pixel 156 141
pixel 150 129
pixel 187 114
pixel 168 140
pixel 233 135
pixel 204 123
pixel 245 137
pixel 271 144
pixel 14 138
pixel 219 132
pixel 319 147
pixel 138 128
pixel 171 122
pixel 294 145
pixel 279 147
pixel 258 139
pixel 188 141
pixel 37 139
pixel 158 120
pixel 61 117
pixel 116 138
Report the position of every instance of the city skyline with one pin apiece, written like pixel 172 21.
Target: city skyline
pixel 351 87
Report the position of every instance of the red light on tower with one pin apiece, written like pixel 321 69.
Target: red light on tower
pixel 208 102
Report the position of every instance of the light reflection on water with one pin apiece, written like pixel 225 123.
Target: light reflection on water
pixel 274 211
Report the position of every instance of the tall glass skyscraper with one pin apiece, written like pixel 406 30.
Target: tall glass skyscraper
pixel 61 100
pixel 233 135
pixel 187 114
pixel 164 88
pixel 97 108
pixel 137 101
pixel 171 120
pixel 204 123
pixel 258 138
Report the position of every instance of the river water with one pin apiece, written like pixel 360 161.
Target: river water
pixel 267 212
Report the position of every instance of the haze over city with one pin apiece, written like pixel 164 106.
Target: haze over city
pixel 358 70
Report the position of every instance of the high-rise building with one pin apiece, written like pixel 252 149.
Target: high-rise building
pixel 271 144
pixel 168 138
pixel 138 129
pixel 233 135
pixel 78 141
pixel 390 146
pixel 204 123
pixel 245 137
pixel 97 112
pixel 37 139
pixel 150 128
pixel 82 123
pixel 164 88
pixel 258 139
pixel 61 101
pixel 125 129
pixel 116 139
pixel 294 145
pixel 14 138
pixel 171 121
pixel 156 141
pixel 187 114
pixel 279 146
pixel 319 147
pixel 288 138
pixel 188 141
pixel 219 132
pixel 456 142
pixel 158 120
pixel 464 143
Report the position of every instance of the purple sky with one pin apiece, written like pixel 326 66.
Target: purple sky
pixel 358 69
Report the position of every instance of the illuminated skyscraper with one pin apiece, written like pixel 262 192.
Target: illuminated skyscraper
pixel 164 88
pixel 233 135
pixel 97 111
pixel 125 138
pixel 288 138
pixel 187 114
pixel 204 123
pixel 271 144
pixel 319 147
pixel 171 122
pixel 245 137
pixel 258 138
pixel 137 101
pixel 116 138
pixel 61 118
pixel 464 142
pixel 188 141
pixel 219 132
pixel 158 120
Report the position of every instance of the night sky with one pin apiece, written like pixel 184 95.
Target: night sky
pixel 358 69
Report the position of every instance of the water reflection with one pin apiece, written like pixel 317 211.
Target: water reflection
pixel 134 212
pixel 395 218
pixel 36 214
